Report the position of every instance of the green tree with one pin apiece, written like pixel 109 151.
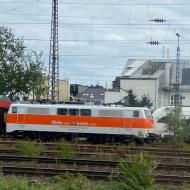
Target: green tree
pixel 179 128
pixel 145 101
pixel 34 72
pixel 174 122
pixel 21 70
pixel 131 99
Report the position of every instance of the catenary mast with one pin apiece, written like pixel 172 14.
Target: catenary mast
pixel 53 77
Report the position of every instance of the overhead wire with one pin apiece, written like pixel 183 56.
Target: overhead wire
pixel 96 24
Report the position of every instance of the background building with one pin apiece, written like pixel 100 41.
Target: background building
pixel 154 78
pixel 93 94
pixel 76 89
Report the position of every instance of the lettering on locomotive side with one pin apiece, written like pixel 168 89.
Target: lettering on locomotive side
pixel 56 122
pixel 75 123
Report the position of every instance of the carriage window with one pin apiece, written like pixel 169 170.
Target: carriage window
pixel 136 114
pixel 85 112
pixel 73 111
pixel 14 109
pixel 62 111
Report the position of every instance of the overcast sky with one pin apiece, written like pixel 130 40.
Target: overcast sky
pixel 97 37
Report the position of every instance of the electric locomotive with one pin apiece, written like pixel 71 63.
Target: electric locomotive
pixel 92 122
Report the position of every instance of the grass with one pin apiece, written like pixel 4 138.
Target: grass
pixel 67 182
pixel 30 148
pixel 66 150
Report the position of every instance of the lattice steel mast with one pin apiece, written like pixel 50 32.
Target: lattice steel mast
pixel 53 77
pixel 177 96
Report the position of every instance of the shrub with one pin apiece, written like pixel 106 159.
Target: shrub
pixel 138 173
pixel 30 148
pixel 70 182
pixel 15 183
pixel 66 149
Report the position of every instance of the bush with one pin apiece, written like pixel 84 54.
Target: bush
pixel 30 148
pixel 66 149
pixel 70 182
pixel 111 186
pixel 138 173
pixel 15 183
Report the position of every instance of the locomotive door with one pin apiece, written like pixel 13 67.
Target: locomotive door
pixel 128 118
pixel 21 116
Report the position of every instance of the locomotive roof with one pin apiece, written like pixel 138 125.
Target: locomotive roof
pixel 77 106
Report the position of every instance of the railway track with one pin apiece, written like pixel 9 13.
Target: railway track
pixel 107 163
pixel 119 150
pixel 103 168
pixel 97 175
pixel 173 167
pixel 105 156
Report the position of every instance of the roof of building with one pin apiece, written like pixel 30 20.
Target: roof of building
pixel 132 66
pixel 93 92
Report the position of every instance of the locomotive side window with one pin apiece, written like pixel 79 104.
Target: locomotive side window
pixel 38 111
pixel 136 114
pixel 111 113
pixel 62 111
pixel 73 111
pixel 85 112
pixel 14 109
pixel 129 113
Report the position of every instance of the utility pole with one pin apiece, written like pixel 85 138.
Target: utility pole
pixel 53 77
pixel 177 96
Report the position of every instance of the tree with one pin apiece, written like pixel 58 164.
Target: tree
pixel 145 101
pixel 34 70
pixel 21 70
pixel 178 127
pixel 175 123
pixel 131 99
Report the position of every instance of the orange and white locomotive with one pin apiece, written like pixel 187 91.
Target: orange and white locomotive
pixel 79 119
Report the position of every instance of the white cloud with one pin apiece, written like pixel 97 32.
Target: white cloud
pixel 102 37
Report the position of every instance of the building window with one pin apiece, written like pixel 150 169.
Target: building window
pixel 175 99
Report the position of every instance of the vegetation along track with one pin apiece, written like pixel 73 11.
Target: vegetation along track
pixel 114 149
pixel 173 167
pixel 102 169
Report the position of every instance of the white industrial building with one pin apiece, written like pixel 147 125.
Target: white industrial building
pixel 154 78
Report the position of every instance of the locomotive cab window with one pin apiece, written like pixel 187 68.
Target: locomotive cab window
pixel 85 112
pixel 14 109
pixel 148 113
pixel 136 114
pixel 73 111
pixel 62 111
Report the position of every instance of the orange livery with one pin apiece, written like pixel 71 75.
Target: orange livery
pixel 79 119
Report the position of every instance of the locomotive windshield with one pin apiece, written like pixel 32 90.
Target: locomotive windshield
pixel 148 113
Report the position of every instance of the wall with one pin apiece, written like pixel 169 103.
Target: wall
pixel 64 90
